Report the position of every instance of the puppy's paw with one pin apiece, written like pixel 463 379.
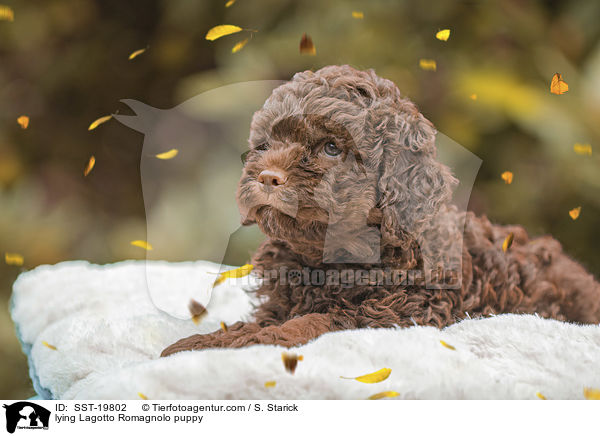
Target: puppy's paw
pixel 218 339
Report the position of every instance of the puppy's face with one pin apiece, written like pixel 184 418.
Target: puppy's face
pixel 302 173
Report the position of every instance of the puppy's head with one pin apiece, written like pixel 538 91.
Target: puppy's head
pixel 341 147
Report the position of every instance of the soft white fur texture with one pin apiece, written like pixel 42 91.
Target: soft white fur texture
pixel 109 335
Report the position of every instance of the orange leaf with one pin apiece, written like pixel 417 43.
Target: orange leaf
pixel 307 46
pixel 197 310
pixel 508 242
pixel 428 64
pixel 507 176
pixel 290 361
pixel 90 166
pixel 574 213
pixel 23 121
pixel 6 14
pixel 136 53
pixel 558 86
pixel 142 244
pixel 240 45
pixel 14 259
pixel 443 35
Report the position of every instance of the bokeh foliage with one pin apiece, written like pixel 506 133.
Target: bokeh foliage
pixel 65 63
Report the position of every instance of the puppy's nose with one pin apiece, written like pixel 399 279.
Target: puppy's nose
pixel 272 178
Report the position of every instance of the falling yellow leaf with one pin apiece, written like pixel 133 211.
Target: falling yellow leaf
pixel 142 244
pixel 540 396
pixel 223 326
pixel 443 35
pixel 142 396
pixel 558 86
pixel 46 344
pixel 473 97
pixel 13 259
pixel 447 345
pixel 508 241
pixel 6 14
pixel 240 45
pixel 306 45
pixel 384 394
pixel 270 384
pixel 359 15
pixel 374 377
pixel 167 154
pixel 237 273
pixel 428 64
pixel 574 213
pixel 584 149
pixel 229 3
pixel 290 361
pixel 591 394
pixel 507 176
pixel 99 121
pixel 136 53
pixel 222 30
pixel 23 121
pixel 89 166
pixel 197 310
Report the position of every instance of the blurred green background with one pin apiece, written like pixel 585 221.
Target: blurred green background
pixel 65 63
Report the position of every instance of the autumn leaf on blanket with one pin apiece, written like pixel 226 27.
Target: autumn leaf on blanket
pixel 240 45
pixel 142 396
pixel 290 361
pixel 270 384
pixel 445 344
pixel 508 241
pixel 443 35
pixel 574 213
pixel 237 273
pixel 540 396
pixel 14 259
pixel 167 154
pixel 99 121
pixel 507 176
pixel 142 244
pixel 358 15
pixel 229 3
pixel 23 121
pixel 374 377
pixel 307 46
pixel 428 64
pixel 6 13
pixel 136 53
pixel 591 394
pixel 47 345
pixel 558 86
pixel 89 166
pixel 384 394
pixel 222 30
pixel 583 149
pixel 197 310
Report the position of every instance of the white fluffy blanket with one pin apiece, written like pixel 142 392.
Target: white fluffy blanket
pixel 108 336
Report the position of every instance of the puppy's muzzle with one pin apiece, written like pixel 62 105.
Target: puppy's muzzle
pixel 271 179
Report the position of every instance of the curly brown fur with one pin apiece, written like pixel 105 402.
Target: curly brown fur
pixel 385 182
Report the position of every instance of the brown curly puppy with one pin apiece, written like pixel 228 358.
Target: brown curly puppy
pixel 342 177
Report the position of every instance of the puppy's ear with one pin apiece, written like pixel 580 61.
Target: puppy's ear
pixel 412 185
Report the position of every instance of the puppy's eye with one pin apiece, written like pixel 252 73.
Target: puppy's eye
pixel 330 149
pixel 262 147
